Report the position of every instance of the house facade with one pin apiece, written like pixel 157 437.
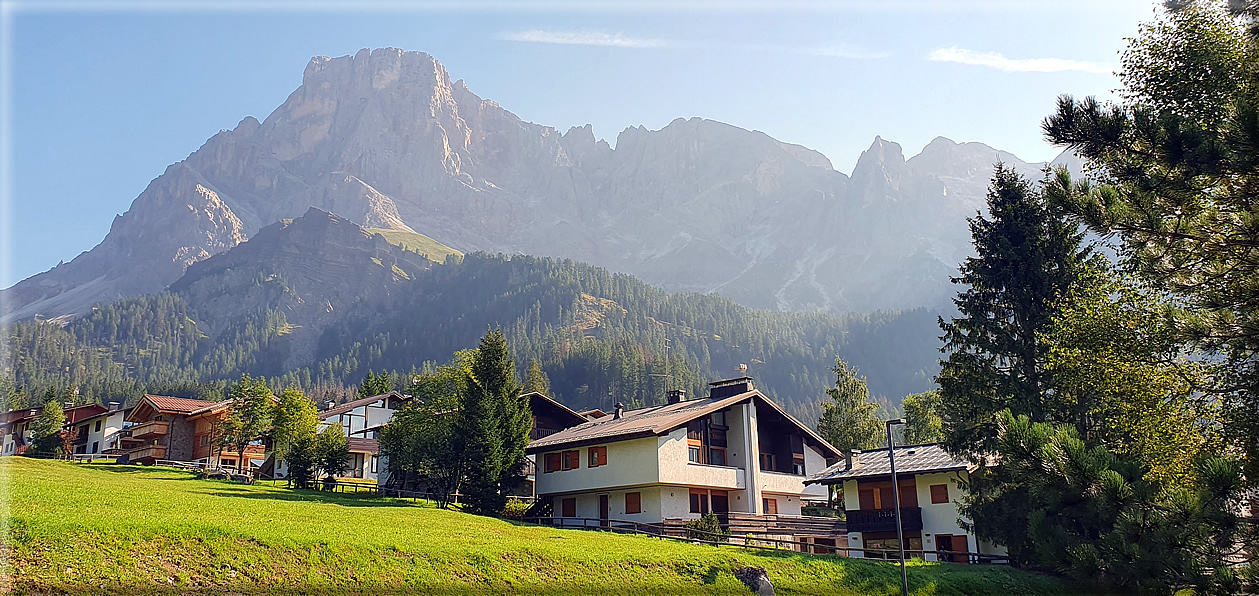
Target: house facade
pixel 361 421
pixel 180 429
pixel 930 487
pixel 101 432
pixel 734 451
pixel 16 425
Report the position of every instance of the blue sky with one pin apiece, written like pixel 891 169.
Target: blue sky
pixel 101 96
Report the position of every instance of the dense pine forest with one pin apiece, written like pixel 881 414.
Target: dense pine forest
pixel 600 338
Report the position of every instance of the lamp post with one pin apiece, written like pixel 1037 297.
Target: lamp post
pixel 896 499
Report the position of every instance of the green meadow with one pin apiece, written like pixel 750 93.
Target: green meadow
pixel 112 529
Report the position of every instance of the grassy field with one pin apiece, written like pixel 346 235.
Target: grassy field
pixel 417 243
pixel 126 529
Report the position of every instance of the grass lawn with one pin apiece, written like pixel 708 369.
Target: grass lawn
pixel 418 243
pixel 127 529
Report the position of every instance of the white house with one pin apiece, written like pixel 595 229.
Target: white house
pixel 101 431
pixel 732 452
pixel 360 420
pixel 930 487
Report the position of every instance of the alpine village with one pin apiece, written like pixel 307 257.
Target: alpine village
pixel 318 356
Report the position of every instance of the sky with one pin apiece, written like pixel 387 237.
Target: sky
pixel 100 97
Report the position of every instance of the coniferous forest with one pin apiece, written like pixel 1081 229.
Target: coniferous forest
pixel 600 338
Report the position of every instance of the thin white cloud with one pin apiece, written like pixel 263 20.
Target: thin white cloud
pixel 1000 62
pixel 587 38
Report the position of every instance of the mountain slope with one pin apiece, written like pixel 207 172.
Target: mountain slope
pixel 319 300
pixel 386 139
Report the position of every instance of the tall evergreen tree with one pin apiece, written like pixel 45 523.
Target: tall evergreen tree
pixel 1177 182
pixel 536 379
pixel 1026 257
pixel 493 426
pixel 849 420
pixel 375 384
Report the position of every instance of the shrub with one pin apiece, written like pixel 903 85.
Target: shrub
pixel 707 527
pixel 515 509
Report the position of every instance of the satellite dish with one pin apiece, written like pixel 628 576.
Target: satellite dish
pixel 743 369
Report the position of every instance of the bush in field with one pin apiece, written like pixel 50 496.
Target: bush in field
pixel 707 527
pixel 515 509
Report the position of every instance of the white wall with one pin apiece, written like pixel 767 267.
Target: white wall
pixel 788 503
pixel 630 463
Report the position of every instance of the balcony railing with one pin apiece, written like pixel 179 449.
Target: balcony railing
pixel 147 452
pixel 148 430
pixel 884 520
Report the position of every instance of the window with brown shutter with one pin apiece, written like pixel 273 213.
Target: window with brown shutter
pixel 568 507
pixel 552 462
pixel 633 502
pixel 770 506
pixel 598 456
pixel 572 460
pixel 939 493
pixel 699 501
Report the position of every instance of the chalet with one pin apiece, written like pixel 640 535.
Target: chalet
pixel 931 484
pixel 17 424
pixel 179 429
pixel 361 421
pixel 735 453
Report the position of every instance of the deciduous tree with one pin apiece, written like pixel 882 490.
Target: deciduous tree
pixel 249 416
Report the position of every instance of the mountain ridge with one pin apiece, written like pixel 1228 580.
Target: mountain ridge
pixel 386 139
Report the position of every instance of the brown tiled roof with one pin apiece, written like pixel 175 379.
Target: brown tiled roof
pixel 350 405
pixel 659 420
pixel 910 459
pixel 74 415
pixel 538 400
pixel 179 405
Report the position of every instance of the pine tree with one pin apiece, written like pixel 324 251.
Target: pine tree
pixel 493 426
pixel 1178 184
pixel 849 420
pixel 374 384
pixel 536 380
pixel 1026 257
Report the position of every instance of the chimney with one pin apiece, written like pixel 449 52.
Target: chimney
pixel 113 406
pixel 730 387
pixel 848 459
pixel 67 404
pixel 331 404
pixel 620 408
pixel 677 395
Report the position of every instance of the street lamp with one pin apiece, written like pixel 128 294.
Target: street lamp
pixel 896 498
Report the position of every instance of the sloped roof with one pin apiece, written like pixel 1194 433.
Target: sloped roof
pixel 106 413
pixel 910 459
pixel 539 401
pixel 178 405
pixel 362 401
pixel 660 420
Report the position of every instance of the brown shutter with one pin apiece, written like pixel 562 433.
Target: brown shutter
pixel 939 493
pixel 633 502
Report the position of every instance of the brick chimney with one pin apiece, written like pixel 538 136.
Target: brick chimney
pixel 620 409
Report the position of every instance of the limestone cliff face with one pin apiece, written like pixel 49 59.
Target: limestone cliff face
pixel 386 139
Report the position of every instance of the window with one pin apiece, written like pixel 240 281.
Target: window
pixel 633 502
pixel 719 418
pixel 374 458
pixel 720 501
pixel 770 506
pixel 717 456
pixel 699 501
pixel 692 455
pixel 96 446
pixel 552 462
pixel 568 507
pixel 939 493
pixel 767 462
pixel 598 456
pixel 98 426
pixel 205 440
pixel 572 459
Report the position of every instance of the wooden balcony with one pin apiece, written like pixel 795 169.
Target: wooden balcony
pixel 884 520
pixel 150 430
pixel 794 525
pixel 146 454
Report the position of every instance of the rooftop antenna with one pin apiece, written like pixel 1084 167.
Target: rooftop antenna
pixel 666 376
pixel 743 370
